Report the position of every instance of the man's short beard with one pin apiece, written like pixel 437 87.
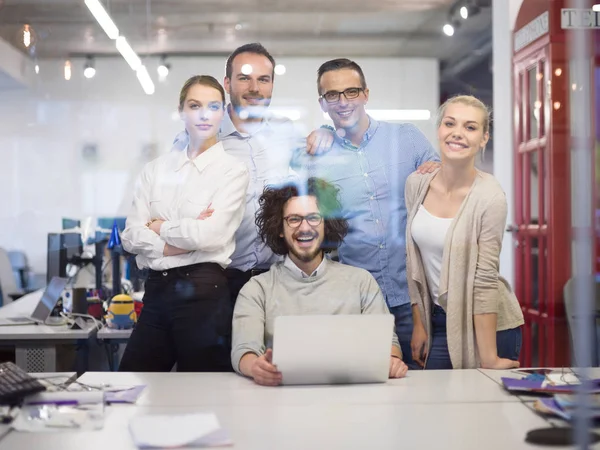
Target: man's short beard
pixel 305 257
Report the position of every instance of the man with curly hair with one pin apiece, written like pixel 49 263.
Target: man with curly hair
pixel 303 222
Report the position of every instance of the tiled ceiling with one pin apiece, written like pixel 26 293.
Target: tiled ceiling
pixel 65 28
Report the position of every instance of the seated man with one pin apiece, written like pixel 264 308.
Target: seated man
pixel 301 222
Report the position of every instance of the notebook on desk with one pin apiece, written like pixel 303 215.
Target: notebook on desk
pixel 338 349
pixel 44 308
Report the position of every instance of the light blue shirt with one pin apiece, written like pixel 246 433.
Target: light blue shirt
pixel 267 152
pixel 371 179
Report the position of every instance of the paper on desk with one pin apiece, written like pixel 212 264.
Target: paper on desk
pixel 562 379
pixel 182 430
pixel 125 395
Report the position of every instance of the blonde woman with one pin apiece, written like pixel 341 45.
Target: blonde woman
pixel 465 314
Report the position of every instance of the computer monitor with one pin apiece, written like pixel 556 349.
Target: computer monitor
pixel 69 224
pixel 63 249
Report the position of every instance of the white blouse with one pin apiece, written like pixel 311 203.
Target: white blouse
pixel 429 233
pixel 176 189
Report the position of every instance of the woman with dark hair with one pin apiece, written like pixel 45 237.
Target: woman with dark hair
pixel 302 222
pixel 187 206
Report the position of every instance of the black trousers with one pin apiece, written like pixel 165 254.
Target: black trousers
pixel 186 320
pixel 236 279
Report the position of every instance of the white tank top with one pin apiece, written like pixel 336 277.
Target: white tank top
pixel 429 233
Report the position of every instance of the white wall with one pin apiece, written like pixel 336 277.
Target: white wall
pixel 44 177
pixel 504 16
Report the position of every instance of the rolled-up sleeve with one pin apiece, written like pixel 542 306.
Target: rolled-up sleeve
pixel 372 302
pixel 489 242
pixel 215 232
pixel 137 238
pixel 248 326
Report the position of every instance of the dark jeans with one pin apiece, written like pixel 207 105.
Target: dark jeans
pixel 404 328
pixel 236 279
pixel 508 342
pixel 186 320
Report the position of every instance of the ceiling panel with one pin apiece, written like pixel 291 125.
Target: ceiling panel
pixel 64 28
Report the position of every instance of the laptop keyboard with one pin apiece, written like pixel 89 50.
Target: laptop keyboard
pixel 16 384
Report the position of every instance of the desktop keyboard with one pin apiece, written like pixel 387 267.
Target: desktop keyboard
pixel 16 384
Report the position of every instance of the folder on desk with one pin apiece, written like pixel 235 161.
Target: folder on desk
pixel 564 406
pixel 543 387
pixel 180 430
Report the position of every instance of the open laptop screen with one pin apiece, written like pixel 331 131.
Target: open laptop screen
pixel 49 299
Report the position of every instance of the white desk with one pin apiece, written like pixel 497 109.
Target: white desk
pixel 460 426
pixel 113 333
pixel 413 413
pixel 35 345
pixel 206 389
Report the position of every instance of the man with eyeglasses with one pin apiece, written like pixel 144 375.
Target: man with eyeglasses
pixel 370 161
pixel 301 221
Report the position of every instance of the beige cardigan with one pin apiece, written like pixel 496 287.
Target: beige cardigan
pixel 469 279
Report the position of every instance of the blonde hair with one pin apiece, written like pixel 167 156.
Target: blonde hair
pixel 467 100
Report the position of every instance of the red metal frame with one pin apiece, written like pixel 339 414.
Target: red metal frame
pixel 551 151
pixel 552 227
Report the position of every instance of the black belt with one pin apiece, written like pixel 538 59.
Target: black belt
pixel 252 272
pixel 184 270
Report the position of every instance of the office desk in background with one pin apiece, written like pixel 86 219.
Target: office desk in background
pixel 462 410
pixel 114 342
pixel 35 345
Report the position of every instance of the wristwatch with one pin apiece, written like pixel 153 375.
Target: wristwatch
pixel 150 223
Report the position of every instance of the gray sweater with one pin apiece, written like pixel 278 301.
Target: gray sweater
pixel 283 291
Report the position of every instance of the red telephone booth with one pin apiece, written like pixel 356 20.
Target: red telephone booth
pixel 543 89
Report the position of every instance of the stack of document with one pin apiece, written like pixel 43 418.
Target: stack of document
pixel 564 405
pixel 181 430
pixel 545 386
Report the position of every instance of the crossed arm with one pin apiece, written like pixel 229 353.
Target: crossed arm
pixel 155 237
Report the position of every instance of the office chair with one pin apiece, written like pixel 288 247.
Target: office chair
pixel 8 282
pixel 21 269
pixel 574 321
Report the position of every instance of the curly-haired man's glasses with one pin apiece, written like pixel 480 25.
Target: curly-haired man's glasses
pixel 295 220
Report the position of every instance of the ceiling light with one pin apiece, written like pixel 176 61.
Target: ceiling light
pixel 163 68
pixel 37 68
pixel 88 70
pixel 26 36
pixel 464 12
pixel 290 113
pixel 279 69
pixel 238 26
pixel 127 52
pixel 145 80
pixel 402 115
pixel 103 18
pixel 448 30
pixel 246 69
pixel 67 70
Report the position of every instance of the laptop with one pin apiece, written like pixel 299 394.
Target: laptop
pixel 334 349
pixel 44 307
